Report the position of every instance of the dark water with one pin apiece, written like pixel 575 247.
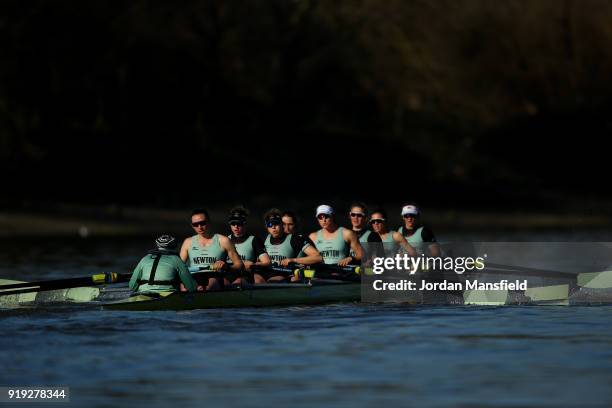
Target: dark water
pixel 337 355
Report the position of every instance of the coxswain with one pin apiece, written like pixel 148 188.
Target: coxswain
pixel 333 242
pixel 161 270
pixel 207 250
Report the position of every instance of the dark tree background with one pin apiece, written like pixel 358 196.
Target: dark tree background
pixel 463 103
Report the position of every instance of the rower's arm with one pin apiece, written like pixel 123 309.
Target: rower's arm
pixel 264 260
pixel 428 237
pixel 313 238
pixel 231 253
pixel 312 256
pixel 399 238
pixel 351 238
pixel 434 249
pixel 136 276
pixel 185 249
pixel 185 276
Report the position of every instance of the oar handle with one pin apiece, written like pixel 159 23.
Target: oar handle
pixel 309 272
pixel 194 269
pixel 322 266
pixel 274 270
pixel 337 268
pixel 109 277
pixel 326 271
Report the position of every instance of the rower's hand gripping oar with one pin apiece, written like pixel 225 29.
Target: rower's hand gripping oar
pixel 201 272
pixel 275 270
pixel 349 273
pixel 39 286
pixel 321 271
pixel 196 269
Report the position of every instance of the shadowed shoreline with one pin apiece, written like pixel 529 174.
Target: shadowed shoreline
pixel 112 221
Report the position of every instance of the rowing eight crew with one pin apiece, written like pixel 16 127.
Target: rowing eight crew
pixel 163 267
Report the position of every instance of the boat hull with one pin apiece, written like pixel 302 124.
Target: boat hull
pixel 272 294
pixel 591 289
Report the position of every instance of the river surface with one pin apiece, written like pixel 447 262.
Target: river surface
pixel 353 355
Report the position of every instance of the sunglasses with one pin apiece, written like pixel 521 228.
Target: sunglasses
pixel 199 224
pixel 323 216
pixel 410 216
pixel 236 224
pixel 377 221
pixel 272 223
pixel 357 215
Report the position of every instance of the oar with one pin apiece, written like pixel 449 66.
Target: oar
pixel 323 271
pixel 530 271
pixel 199 269
pixel 225 272
pixel 349 273
pixel 274 270
pixel 40 286
pixel 501 269
pixel 355 269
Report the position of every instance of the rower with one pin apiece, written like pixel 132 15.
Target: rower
pixel 283 248
pixel 392 240
pixel 418 236
pixel 161 270
pixel 358 215
pixel 206 250
pixel 250 248
pixel 334 242
pixel 290 223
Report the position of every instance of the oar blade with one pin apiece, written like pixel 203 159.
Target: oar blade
pixel 553 294
pixel 595 280
pixel 18 287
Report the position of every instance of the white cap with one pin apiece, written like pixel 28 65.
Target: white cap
pixel 410 209
pixel 324 209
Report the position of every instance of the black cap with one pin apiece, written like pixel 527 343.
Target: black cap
pixel 237 217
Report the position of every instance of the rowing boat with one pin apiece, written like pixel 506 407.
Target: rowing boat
pixel 594 288
pixel 267 294
pixel 18 293
pixel 585 288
